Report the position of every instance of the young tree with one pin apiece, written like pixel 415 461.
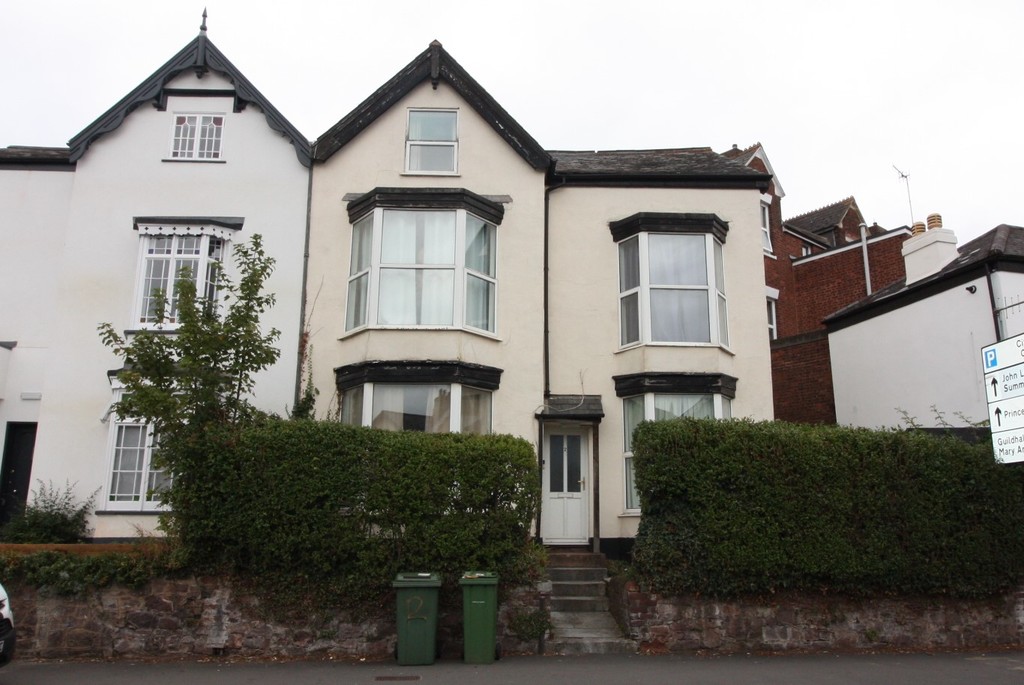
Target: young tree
pixel 192 384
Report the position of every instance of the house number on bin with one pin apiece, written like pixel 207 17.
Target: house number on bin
pixel 414 609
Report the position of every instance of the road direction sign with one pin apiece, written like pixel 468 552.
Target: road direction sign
pixel 1003 364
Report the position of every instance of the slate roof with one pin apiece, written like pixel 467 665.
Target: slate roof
pixel 573 407
pixel 202 56
pixel 700 165
pixel 21 156
pixel 1003 243
pixel 436 65
pixel 823 218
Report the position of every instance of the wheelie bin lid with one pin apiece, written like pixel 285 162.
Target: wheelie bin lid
pixel 412 579
pixel 479 578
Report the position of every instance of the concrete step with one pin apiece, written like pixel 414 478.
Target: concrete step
pixel 579 604
pixel 561 575
pixel 587 633
pixel 578 588
pixel 575 559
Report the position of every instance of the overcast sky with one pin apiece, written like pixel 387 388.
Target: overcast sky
pixel 838 92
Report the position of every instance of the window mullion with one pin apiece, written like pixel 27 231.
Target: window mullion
pixel 455 408
pixel 461 280
pixel 645 292
pixel 373 283
pixel 367 419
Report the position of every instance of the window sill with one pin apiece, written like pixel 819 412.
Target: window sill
pixel 430 173
pixel 769 254
pixel 131 512
pixel 631 514
pixel 421 329
pixel 175 160
pixel 674 344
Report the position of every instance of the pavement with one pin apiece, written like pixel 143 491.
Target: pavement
pixel 975 668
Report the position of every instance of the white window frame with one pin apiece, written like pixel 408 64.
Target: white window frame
pixel 203 141
pixel 773 318
pixel 722 407
pixel 766 231
pixel 143 499
pixel 718 313
pixel 364 283
pixel 411 143
pixel 211 258
pixel 366 390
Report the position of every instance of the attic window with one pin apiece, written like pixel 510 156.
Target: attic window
pixel 432 144
pixel 197 136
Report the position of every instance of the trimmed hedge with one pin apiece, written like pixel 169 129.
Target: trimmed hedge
pixel 735 507
pixel 340 510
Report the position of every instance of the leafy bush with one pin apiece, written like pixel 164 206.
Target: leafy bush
pixel 738 507
pixel 53 515
pixel 70 574
pixel 340 510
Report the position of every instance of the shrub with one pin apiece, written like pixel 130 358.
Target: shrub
pixel 741 507
pixel 53 515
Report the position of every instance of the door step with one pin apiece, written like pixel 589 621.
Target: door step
pixel 580 620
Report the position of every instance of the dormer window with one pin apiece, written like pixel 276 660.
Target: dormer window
pixel 432 145
pixel 197 136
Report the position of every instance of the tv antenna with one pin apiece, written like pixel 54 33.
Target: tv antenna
pixel 906 178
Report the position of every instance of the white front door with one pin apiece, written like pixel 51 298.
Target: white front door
pixel 565 512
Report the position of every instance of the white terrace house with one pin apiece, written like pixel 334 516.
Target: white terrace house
pixel 466 279
pixel 189 163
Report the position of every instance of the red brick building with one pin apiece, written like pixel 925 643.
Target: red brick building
pixel 815 264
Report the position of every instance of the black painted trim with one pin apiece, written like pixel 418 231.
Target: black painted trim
pixel 426 198
pixel 232 222
pixel 668 382
pixel 475 375
pixel 161 101
pixel 669 222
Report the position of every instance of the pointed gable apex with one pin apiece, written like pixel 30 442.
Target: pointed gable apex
pixel 436 65
pixel 201 56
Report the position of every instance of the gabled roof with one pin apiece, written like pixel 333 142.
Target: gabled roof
pixel 202 56
pixel 748 154
pixel 1003 244
pixel 437 65
pixel 680 166
pixel 823 218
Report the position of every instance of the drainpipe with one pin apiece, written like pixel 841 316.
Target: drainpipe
pixel 864 253
pixel 547 248
pixel 992 301
pixel 303 339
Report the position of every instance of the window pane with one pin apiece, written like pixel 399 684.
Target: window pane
pixel 355 309
pixel 412 407
pixel 573 465
pixel 632 496
pixel 629 318
pixel 352 406
pixel 557 470
pixel 432 125
pixel 156 282
pixel 362 241
pixel 411 237
pixel 629 265
pixel 479 303
pixel 416 296
pixel 677 406
pixel 476 411
pixel 479 245
pixel 431 157
pixel 632 415
pixel 680 316
pixel 677 259
pixel 719 267
pixel 723 320
pixel 127 469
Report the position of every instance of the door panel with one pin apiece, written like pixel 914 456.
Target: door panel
pixel 565 515
pixel 17 468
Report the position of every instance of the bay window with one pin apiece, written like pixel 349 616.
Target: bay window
pixel 432 397
pixel 414 266
pixel 681 395
pixel 671 279
pixel 173 251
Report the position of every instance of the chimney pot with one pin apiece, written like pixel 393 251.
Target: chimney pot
pixel 934 221
pixel 918 228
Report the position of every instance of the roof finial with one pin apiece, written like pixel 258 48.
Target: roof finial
pixel 203 27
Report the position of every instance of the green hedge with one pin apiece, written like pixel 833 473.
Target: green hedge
pixel 341 510
pixel 733 507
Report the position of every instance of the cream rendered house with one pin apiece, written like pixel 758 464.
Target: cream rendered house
pixel 461 278
pixel 191 162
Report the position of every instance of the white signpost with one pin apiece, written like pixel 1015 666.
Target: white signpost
pixel 1003 364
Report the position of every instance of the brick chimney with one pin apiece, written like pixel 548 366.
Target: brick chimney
pixel 927 251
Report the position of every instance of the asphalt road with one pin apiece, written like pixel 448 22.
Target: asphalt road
pixel 996 668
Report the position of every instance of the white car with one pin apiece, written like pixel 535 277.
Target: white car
pixel 7 638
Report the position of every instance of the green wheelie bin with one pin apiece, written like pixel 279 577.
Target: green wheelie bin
pixel 479 617
pixel 417 617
